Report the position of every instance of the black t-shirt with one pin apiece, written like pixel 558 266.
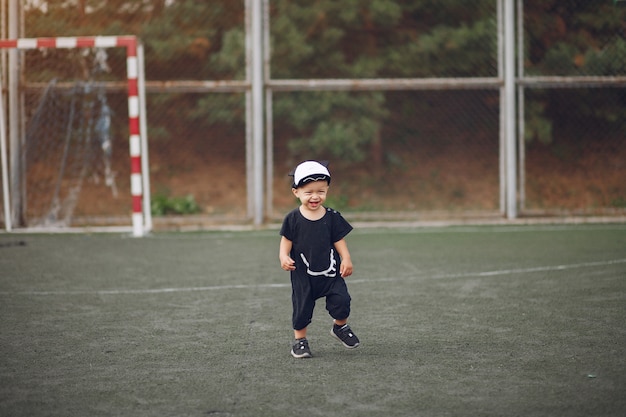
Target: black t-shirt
pixel 313 242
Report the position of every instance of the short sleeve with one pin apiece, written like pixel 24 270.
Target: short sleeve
pixel 288 227
pixel 340 226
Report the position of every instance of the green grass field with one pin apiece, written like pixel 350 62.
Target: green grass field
pixel 454 321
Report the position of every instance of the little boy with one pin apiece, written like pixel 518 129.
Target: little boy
pixel 313 248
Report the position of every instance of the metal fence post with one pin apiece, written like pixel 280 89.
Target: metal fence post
pixel 509 91
pixel 257 109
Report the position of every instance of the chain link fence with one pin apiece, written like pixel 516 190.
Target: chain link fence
pixel 399 150
pixel 574 112
pixel 74 149
pixel 434 151
pixel 73 160
pixel 411 151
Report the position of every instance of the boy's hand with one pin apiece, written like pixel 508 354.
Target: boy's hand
pixel 346 268
pixel 287 263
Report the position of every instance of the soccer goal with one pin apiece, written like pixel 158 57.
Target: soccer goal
pixel 72 103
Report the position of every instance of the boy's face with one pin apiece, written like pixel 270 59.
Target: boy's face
pixel 312 195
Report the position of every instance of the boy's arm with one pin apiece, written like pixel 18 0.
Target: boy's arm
pixel 286 262
pixel 346 260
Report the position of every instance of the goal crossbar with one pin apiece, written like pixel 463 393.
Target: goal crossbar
pixel 139 183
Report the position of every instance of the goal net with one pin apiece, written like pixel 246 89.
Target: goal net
pixel 77 113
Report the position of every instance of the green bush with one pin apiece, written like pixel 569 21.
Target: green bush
pixel 163 204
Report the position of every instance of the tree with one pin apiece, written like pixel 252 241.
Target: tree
pixel 355 39
pixel 574 38
pixel 188 39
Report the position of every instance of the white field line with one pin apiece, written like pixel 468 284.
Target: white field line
pixel 535 269
pixel 506 271
pixel 286 285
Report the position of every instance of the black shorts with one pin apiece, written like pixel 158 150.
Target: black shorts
pixel 306 290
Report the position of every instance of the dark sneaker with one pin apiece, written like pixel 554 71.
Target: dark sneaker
pixel 345 335
pixel 301 349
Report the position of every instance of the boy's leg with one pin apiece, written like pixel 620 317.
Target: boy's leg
pixel 338 305
pixel 303 307
pixel 303 304
pixel 338 301
pixel 299 334
pixel 300 348
pixel 345 335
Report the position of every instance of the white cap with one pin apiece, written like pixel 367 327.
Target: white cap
pixel 310 171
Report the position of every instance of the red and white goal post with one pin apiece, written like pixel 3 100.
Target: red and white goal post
pixel 139 174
